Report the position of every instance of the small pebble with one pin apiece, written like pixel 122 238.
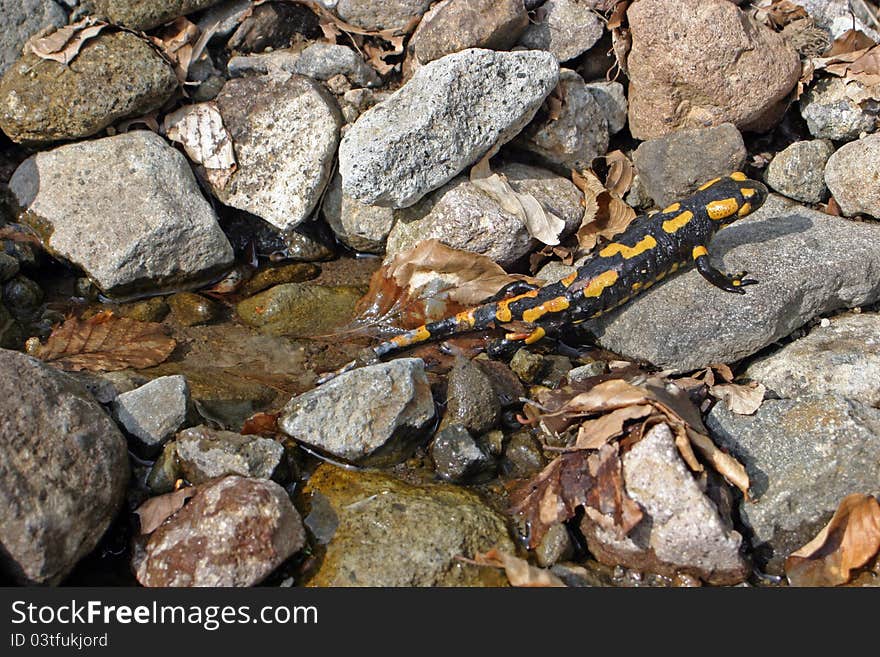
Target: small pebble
pixel 191 309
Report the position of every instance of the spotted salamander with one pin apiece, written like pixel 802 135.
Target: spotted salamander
pixel 651 248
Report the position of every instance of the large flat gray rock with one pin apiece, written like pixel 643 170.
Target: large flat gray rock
pixel 807 263
pixel 445 118
pixel 127 210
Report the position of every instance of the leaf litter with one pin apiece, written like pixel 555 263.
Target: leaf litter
pixel 63 45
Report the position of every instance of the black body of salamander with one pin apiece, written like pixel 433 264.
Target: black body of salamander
pixel 652 247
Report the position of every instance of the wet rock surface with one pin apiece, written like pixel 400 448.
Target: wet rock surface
pixel 399 150
pixel 234 532
pixel 434 525
pixel 808 263
pixel 63 470
pixel 803 457
pixel 842 358
pixel 456 455
pixel 676 165
pixel 673 84
pixel 122 241
pixel 285 133
pixel 850 175
pixel 115 75
pixel 372 415
pixel 299 309
pixel 683 530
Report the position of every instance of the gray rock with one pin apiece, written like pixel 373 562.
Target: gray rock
pixel 226 15
pixel 797 171
pixel 471 401
pixel 446 117
pixel 164 236
pixel 107 386
pixel 836 17
pixel 234 532
pixel 840 359
pixel 373 16
pixel 611 97
pixel 21 19
pixel 457 456
pixel 454 25
pixel 695 63
pixel 831 114
pixel 803 457
pixel 114 76
pixel 464 217
pixel 522 456
pixel 362 227
pixel 566 28
pixel 204 453
pixel 556 545
pixel 9 267
pixel 682 531
pixel 576 134
pixel 594 368
pixel 851 174
pixel 320 61
pixel 676 165
pixel 372 415
pixel 285 133
pixel 384 532
pixel 154 411
pixel 63 470
pixel 808 263
pixel 139 15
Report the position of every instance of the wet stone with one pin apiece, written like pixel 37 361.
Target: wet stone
pixel 457 456
pixel 115 75
pixel 556 368
pixel 300 309
pixel 555 546
pixel 234 532
pixel 21 295
pixel 191 309
pixel 11 335
pixel 471 401
pixel 433 525
pixel 153 412
pixel 527 365
pixel 296 272
pixel 64 470
pixel 9 267
pixel 674 166
pixel 373 415
pixel 153 309
pixel 523 456
pixel 797 171
pixel 204 453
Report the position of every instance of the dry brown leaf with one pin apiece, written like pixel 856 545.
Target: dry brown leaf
pixel 849 540
pixel 722 462
pixel 63 45
pixel 742 399
pixel 261 423
pixel 783 12
pixel 544 226
pixel 199 129
pixel 177 41
pixel 850 41
pixel 592 434
pixel 604 216
pixel 519 571
pixel 429 282
pixel 104 343
pixel 620 173
pixel 156 510
pixel 607 502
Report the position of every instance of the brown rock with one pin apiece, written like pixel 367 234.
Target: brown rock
pixel 234 532
pixel 453 25
pixel 697 63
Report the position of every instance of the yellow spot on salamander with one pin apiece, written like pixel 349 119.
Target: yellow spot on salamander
pixel 503 313
pixel 675 207
pixel 598 284
pixel 736 282
pixel 722 209
pixel 672 225
pixel 747 192
pixel 738 176
pixel 535 335
pixel 745 209
pixel 636 286
pixel 415 336
pixel 568 280
pixel 466 318
pixel 708 184
pixel 699 251
pixel 646 243
pixel 552 306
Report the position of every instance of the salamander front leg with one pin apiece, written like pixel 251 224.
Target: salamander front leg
pixel 727 282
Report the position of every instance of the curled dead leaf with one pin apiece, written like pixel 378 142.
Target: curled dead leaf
pixel 176 41
pixel 620 173
pixel 604 214
pixel 519 571
pixel 104 343
pixel 199 129
pixel 742 399
pixel 64 44
pixel 849 540
pixel 156 510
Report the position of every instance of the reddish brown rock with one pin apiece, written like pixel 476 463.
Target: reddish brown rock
pixel 698 63
pixel 234 532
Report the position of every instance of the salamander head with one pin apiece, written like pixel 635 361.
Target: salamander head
pixel 731 198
